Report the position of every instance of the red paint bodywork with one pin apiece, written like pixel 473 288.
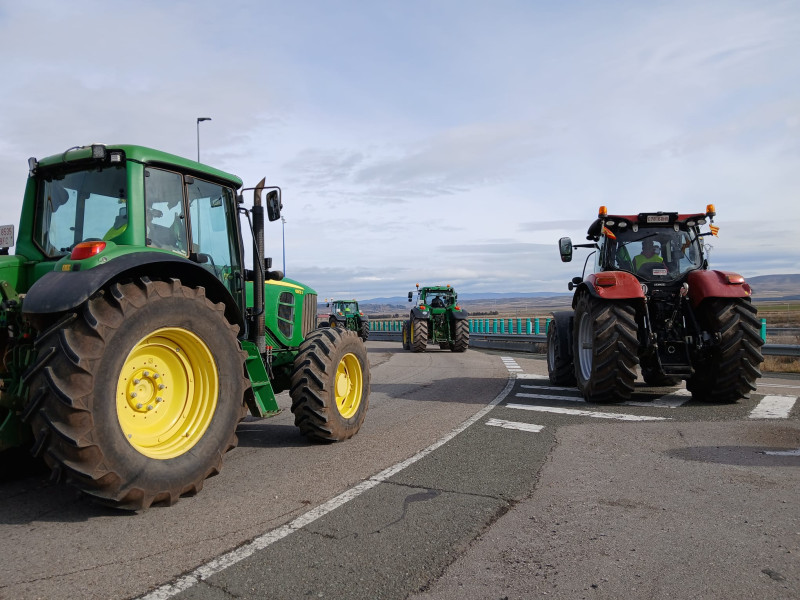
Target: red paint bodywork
pixel 626 286
pixel 716 284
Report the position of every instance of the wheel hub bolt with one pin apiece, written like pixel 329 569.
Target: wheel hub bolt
pixel 146 373
pixel 149 407
pixel 159 399
pixel 161 386
pixel 155 375
pixel 139 405
pixel 136 381
pixel 133 394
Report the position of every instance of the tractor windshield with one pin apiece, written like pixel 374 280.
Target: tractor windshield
pixel 653 253
pixel 347 307
pixel 78 206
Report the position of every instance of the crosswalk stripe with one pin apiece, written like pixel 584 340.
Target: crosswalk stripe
pixel 548 387
pixel 549 397
pixel 515 425
pixel 532 376
pixel 586 413
pixel 774 407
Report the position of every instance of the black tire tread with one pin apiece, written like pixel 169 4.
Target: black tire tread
pixel 62 418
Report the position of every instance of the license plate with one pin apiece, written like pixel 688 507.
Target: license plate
pixel 6 236
pixel 661 272
pixel 658 218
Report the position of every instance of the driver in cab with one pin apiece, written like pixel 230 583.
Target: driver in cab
pixel 649 255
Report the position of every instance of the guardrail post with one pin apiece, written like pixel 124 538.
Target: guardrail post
pixel 536 326
pixel 494 325
pixel 519 325
pixel 764 330
pixel 528 326
pixel 547 325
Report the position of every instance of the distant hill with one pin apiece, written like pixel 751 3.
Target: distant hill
pixel 775 287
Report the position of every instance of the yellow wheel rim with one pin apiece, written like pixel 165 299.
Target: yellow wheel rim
pixel 349 385
pixel 167 393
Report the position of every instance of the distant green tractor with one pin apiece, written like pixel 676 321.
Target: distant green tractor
pixel 345 314
pixel 134 338
pixel 437 319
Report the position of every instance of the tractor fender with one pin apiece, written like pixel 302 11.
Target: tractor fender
pixel 60 291
pixel 418 313
pixel 611 285
pixel 459 315
pixel 363 318
pixel 716 284
pixel 338 318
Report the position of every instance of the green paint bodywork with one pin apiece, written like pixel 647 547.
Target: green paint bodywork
pixel 440 320
pixel 289 317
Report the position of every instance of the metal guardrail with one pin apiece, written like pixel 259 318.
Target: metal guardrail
pixel 537 344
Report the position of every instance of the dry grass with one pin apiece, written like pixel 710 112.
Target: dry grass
pixel 780 364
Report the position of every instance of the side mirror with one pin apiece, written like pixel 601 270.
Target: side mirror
pixel 410 296
pixel 565 249
pixel 274 205
pixel 576 281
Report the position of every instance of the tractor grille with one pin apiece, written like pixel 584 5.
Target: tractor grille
pixel 309 314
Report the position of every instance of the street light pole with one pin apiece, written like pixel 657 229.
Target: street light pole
pixel 283 235
pixel 199 119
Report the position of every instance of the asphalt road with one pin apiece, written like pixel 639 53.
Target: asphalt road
pixel 442 495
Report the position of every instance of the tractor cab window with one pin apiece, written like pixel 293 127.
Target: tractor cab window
pixel 347 308
pixel 650 253
pixel 165 218
pixel 212 213
pixel 80 206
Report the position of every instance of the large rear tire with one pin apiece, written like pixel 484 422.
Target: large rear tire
pixel 560 366
pixel 606 347
pixel 733 366
pixel 136 397
pixel 330 385
pixel 461 336
pixel 363 330
pixel 406 334
pixel 418 334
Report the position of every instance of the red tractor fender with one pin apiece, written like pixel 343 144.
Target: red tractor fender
pixel 613 285
pixel 716 284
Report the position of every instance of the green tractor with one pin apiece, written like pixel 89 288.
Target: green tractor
pixel 437 319
pixel 345 314
pixel 135 339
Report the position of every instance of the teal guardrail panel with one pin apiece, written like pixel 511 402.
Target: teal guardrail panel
pixel 528 329
pixel 763 330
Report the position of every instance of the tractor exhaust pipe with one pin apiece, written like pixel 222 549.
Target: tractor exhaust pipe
pixel 258 269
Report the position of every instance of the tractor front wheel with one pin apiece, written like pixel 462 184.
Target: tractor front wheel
pixel 406 334
pixel 606 346
pixel 330 385
pixel 136 397
pixel 733 366
pixel 560 367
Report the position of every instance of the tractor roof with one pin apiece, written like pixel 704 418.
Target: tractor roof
pixel 148 156
pixel 647 219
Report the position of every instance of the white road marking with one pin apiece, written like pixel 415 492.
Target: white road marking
pixel 779 385
pixel 784 452
pixel 511 364
pixel 773 407
pixel 515 425
pixel 586 413
pixel 231 558
pixel 532 376
pixel 671 400
pixel 550 397
pixel 549 387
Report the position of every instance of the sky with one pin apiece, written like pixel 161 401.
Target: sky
pixel 432 142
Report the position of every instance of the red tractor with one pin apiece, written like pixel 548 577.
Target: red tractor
pixel 651 301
